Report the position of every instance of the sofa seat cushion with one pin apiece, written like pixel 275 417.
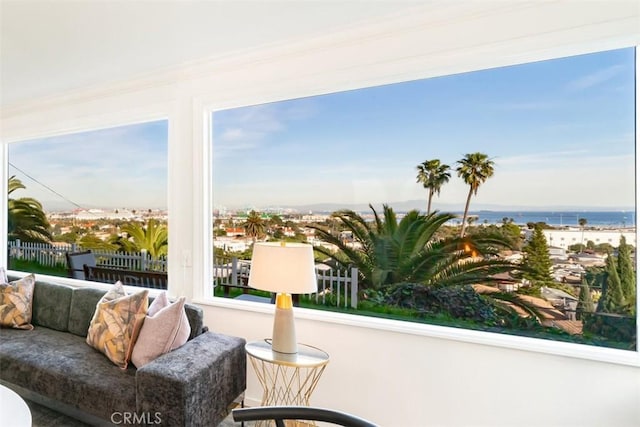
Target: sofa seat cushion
pixel 63 367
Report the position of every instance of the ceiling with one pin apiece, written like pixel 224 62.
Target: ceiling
pixel 49 47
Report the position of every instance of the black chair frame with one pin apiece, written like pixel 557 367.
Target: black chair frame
pixel 281 413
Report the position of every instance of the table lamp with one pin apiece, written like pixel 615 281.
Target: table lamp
pixel 283 268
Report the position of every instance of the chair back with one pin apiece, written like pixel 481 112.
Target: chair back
pixel 76 262
pixel 303 413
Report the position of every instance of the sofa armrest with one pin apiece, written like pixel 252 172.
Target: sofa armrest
pixel 195 384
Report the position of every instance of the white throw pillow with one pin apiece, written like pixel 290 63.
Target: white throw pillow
pixel 3 276
pixel 165 328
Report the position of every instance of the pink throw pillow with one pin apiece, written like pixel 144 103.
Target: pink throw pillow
pixel 165 328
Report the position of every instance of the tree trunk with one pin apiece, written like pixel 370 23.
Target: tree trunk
pixel 466 211
pixel 429 203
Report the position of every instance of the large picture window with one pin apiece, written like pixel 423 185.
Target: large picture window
pixel 501 200
pixel 103 191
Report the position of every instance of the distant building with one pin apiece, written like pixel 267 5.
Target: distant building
pixel 231 245
pixel 586 259
pixel 235 231
pixel 556 253
pixel 564 238
pixel 93 214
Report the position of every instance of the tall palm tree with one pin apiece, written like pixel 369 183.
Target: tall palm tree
pixel 26 218
pixel 388 251
pixel 582 222
pixel 432 175
pixel 474 169
pixel 154 238
pixel 254 226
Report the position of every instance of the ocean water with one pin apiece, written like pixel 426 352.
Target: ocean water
pixel 560 218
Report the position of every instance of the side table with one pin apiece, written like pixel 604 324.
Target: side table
pixel 286 379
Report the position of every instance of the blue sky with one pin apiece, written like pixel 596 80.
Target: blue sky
pixel 121 167
pixel 561 133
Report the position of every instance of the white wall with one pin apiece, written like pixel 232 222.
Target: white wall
pixel 403 379
pixel 395 374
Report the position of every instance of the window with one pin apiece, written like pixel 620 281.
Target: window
pixel 103 190
pixel 285 170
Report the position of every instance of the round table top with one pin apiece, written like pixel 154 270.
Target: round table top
pixel 306 357
pixel 13 409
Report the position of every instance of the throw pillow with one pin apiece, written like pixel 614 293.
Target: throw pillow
pixel 165 328
pixel 117 322
pixel 16 299
pixel 3 275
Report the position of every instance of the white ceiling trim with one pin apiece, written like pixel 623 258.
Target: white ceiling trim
pixel 425 43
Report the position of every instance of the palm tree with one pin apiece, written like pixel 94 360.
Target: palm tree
pixel 474 169
pixel 582 222
pixel 432 175
pixel 388 251
pixel 154 238
pixel 26 218
pixel 254 226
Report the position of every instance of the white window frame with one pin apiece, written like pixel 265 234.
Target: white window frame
pixel 547 346
pixel 364 56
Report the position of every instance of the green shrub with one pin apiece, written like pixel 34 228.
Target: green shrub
pixel 460 302
pixel 612 326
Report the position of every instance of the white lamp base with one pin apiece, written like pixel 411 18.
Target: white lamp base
pixel 284 328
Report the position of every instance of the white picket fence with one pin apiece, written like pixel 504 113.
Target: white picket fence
pixel 54 255
pixel 339 286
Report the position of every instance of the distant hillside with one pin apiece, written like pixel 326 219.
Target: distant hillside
pixel 399 206
pixel 407 205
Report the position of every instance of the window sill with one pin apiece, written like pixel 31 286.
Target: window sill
pixel 557 348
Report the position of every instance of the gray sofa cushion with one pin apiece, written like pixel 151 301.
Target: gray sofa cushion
pixel 52 307
pixel 63 367
pixel 83 306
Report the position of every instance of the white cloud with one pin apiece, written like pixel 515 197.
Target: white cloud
pixel 233 134
pixel 248 128
pixel 595 78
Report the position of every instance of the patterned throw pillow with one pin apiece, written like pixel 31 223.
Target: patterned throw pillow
pixel 117 322
pixel 165 328
pixel 16 299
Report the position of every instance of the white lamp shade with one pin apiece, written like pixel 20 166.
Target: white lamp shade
pixel 283 267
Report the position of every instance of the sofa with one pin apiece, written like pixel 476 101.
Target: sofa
pixel 193 385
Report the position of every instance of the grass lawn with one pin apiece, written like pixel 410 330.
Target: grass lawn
pixel 35 267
